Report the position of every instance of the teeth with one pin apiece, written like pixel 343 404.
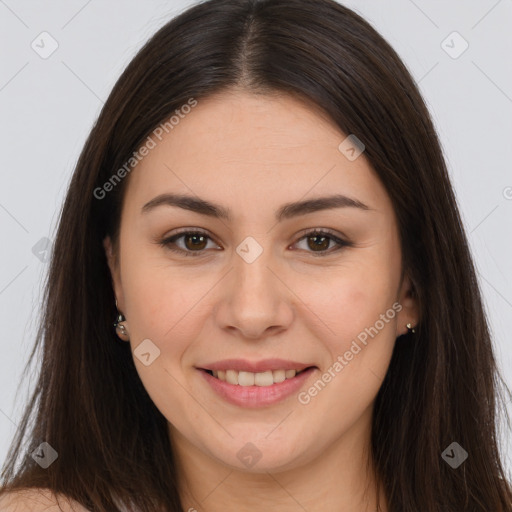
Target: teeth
pixel 264 379
pixel 279 375
pixel 254 379
pixel 245 378
pixel 232 376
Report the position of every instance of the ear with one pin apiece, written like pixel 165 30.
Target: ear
pixel 410 310
pixel 113 265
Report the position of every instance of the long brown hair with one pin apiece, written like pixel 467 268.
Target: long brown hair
pixel 442 385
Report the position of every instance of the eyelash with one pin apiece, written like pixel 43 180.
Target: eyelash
pixel 168 241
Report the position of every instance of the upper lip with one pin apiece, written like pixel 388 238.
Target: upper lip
pixel 255 366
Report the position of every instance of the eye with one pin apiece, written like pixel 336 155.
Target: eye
pixel 319 240
pixel 195 242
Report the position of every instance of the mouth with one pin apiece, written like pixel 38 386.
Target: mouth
pixel 252 384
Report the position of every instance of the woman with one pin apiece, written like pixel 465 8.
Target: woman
pixel 263 211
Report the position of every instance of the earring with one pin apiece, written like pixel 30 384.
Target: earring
pixel 410 328
pixel 120 327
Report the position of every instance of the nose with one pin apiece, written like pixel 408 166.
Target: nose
pixel 255 302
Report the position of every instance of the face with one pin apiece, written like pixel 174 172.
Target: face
pixel 256 285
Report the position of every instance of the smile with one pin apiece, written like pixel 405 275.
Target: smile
pixel 256 389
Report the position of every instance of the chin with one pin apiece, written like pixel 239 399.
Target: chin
pixel 261 456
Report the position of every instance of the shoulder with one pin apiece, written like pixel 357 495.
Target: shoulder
pixel 37 500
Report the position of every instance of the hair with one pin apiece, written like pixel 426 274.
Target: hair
pixel 443 384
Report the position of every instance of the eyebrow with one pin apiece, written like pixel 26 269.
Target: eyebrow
pixel 287 211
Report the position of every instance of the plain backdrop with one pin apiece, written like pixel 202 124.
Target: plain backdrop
pixel 458 52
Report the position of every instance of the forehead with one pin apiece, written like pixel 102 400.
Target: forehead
pixel 246 149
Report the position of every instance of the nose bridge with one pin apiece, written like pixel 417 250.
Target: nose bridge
pixel 253 300
pixel 251 273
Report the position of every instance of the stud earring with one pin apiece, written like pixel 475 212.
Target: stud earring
pixel 410 328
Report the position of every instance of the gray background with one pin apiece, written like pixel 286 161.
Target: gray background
pixel 48 106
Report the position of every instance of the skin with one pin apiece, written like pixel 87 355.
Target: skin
pixel 252 154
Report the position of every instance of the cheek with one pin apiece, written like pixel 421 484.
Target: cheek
pixel 162 305
pixel 358 344
pixel 164 301
pixel 350 301
pixel 358 332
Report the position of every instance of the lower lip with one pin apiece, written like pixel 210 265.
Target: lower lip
pixel 257 396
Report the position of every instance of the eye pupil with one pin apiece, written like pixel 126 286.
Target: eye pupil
pixel 195 237
pixel 322 244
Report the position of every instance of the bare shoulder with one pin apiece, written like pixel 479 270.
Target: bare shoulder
pixel 37 500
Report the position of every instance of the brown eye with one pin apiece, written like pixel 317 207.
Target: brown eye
pixel 194 243
pixel 318 242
